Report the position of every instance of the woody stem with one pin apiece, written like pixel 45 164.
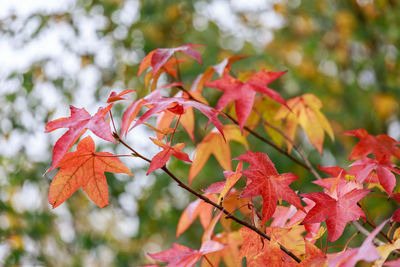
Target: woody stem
pixel 229 215
pixel 207 200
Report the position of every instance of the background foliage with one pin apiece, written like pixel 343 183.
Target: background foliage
pixel 76 52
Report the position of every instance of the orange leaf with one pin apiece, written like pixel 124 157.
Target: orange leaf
pixel 146 62
pixel 229 254
pixel 215 144
pixel 231 179
pixel 194 209
pixel 85 168
pixel 259 251
pixel 121 96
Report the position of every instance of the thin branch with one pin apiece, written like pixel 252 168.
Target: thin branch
pixel 376 241
pixel 229 215
pixel 207 200
pixel 134 152
pixel 280 150
pixel 348 241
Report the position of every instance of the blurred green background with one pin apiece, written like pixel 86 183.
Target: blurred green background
pixel 77 51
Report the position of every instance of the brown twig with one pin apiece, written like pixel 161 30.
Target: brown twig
pixel 229 215
pixel 207 200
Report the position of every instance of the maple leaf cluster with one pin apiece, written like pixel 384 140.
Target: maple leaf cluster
pixel 265 222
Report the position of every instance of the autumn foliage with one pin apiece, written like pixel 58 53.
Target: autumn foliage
pixel 264 221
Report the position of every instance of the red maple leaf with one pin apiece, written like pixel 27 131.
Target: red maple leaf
pixel 134 108
pixel 243 93
pixel 264 180
pixel 78 122
pixel 159 105
pixel 337 209
pixel 85 168
pixel 364 168
pixel 167 67
pixel 223 67
pixel 158 57
pixel 334 171
pixel 161 158
pixel 311 228
pixel 381 145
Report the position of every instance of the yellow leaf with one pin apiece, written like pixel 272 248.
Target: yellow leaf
pixel 385 250
pixel 305 110
pixel 231 181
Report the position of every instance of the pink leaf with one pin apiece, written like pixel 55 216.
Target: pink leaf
pixel 78 122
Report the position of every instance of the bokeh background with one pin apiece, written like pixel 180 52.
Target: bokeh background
pixel 57 53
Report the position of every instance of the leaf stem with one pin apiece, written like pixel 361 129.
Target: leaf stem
pixel 366 212
pixel 176 126
pixel 112 120
pixel 209 262
pixel 134 152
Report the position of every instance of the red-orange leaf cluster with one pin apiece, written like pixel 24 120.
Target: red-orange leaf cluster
pixel 281 235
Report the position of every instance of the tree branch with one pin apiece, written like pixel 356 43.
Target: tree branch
pixel 207 200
